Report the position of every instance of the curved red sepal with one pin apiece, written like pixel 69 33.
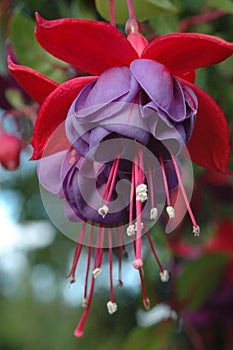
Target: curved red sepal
pixel 209 145
pixel 34 83
pixel 185 52
pixel 54 111
pixel 89 45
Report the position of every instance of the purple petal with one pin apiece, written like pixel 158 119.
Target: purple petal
pixel 164 90
pixel 49 172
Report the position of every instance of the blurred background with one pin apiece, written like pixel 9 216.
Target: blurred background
pixel 39 309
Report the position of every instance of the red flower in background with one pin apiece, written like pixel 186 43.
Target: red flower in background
pixel 83 43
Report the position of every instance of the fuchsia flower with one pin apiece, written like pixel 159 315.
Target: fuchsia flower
pixel 150 86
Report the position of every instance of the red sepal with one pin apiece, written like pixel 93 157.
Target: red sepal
pixel 185 52
pixel 34 83
pixel 209 145
pixel 54 111
pixel 89 45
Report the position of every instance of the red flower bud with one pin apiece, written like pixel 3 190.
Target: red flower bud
pixel 10 149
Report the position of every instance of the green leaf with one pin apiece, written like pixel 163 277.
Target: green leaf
pixel 199 279
pixel 226 5
pixel 156 337
pixel 81 9
pixel 15 98
pixel 165 24
pixel 143 9
pixel 30 53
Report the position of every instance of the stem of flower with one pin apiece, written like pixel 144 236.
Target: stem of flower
pixel 203 18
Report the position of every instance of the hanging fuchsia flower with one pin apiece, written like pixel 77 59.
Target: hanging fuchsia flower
pixel 128 123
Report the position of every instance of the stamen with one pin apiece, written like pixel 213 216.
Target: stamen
pixel 85 303
pixel 77 253
pixel 164 276
pixel 88 263
pixel 110 266
pixel 96 272
pixel 196 231
pixel 153 250
pixel 130 230
pixel 141 193
pixel 170 211
pixel 112 307
pixel 146 300
pixel 196 228
pixel 116 165
pixel 120 283
pixel 137 263
pixel 165 181
pixel 154 210
pixel 79 330
pixel 103 211
pixel 153 213
pixel 131 197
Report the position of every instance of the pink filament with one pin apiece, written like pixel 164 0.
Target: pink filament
pixel 88 261
pixel 165 180
pixel 131 196
pixel 184 192
pixel 152 198
pixel 110 264
pixel 109 180
pixel 138 261
pixel 79 330
pixel 153 249
pixel 78 250
pixel 115 165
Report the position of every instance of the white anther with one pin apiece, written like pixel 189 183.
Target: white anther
pixel 141 191
pixel 103 211
pixel 153 213
pixel 142 197
pixel 85 302
pixel 146 303
pixel 136 227
pixel 96 272
pixel 141 188
pixel 170 211
pixel 164 276
pixel 72 279
pixel 196 231
pixel 112 307
pixel 130 230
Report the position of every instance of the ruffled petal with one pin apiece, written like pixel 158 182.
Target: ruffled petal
pixel 53 112
pixel 34 83
pixel 184 52
pixel 89 45
pixel 209 145
pixel 161 87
